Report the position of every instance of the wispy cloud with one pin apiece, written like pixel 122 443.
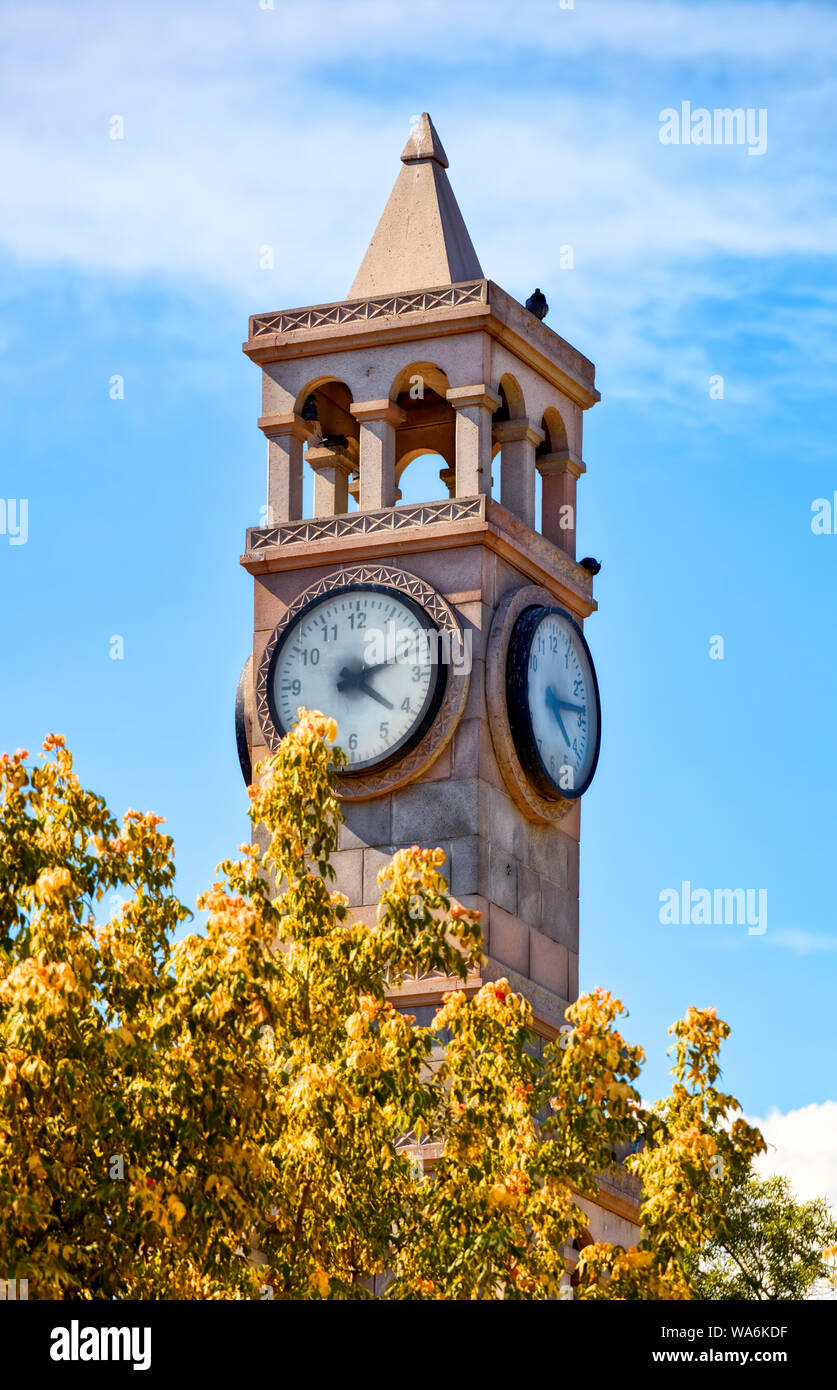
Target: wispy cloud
pixel 247 127
pixel 803 943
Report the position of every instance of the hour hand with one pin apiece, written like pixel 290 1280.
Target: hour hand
pixel 349 680
pixel 356 680
pixel 554 704
pixel 568 704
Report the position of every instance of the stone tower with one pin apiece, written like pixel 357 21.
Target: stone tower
pixel 427 356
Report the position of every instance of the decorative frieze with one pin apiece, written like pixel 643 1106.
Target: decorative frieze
pixel 361 310
pixel 365 523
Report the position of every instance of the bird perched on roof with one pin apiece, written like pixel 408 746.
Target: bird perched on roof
pixel 537 305
pixel 590 564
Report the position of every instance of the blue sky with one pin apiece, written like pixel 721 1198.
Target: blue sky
pixel 247 126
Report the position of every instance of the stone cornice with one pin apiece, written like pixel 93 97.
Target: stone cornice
pixel 352 325
pixel 392 531
pixel 622 1203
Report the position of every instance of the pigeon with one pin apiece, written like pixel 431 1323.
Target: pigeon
pixel 311 417
pixel 537 305
pixel 590 564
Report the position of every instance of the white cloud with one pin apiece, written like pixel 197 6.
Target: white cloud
pixel 246 127
pixel 802 1146
pixel 314 31
pixel 236 129
pixel 803 943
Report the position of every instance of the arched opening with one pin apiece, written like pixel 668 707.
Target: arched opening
pixel 501 416
pixel 324 406
pixel 511 476
pixel 554 442
pixel 422 477
pixel 427 435
pixel 555 431
pixel 578 1245
pixel 512 404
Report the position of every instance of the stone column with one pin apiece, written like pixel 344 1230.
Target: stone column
pixel 518 441
pixel 286 435
pixel 378 422
pixel 332 465
pixel 448 477
pixel 560 473
pixel 474 406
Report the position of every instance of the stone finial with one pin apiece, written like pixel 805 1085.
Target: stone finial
pixel 421 241
pixel 424 143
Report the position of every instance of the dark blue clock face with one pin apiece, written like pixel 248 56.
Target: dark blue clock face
pixel 553 702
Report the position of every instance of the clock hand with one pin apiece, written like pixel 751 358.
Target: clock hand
pixel 355 680
pixel 370 670
pixel 565 704
pixel 367 690
pixel 555 705
pixel 349 680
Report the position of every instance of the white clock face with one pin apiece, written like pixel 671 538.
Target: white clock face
pixel 367 657
pixel 562 703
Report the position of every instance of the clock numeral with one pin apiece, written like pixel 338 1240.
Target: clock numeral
pixel 384 733
pixel 310 656
pixel 534 663
pixel 296 687
pixel 405 705
pixel 553 642
pixel 357 620
pixel 577 687
pixel 417 670
pixel 326 630
pixel 352 742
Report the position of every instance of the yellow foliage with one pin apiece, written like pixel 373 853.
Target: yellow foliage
pixel 251 1088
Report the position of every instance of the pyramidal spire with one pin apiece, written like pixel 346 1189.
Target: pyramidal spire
pixel 421 240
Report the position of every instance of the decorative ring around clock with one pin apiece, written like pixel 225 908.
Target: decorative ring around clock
pixel 378 780
pixel 523 793
pixel 521 653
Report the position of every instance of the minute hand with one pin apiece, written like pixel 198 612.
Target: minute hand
pixel 554 704
pixel 368 690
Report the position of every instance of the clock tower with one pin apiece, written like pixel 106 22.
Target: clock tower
pixel 445 636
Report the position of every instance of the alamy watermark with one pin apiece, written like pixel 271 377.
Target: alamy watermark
pixel 79 1343
pixel 12 1290
pixel 14 519
pixel 724 125
pixel 714 907
pixel 823 518
pixel 395 645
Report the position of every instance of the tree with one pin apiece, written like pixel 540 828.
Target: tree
pixel 769 1246
pixel 236 1114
